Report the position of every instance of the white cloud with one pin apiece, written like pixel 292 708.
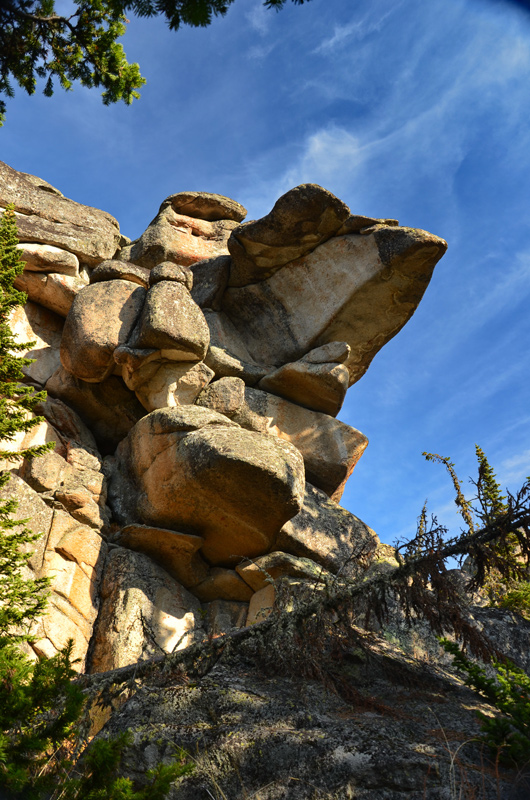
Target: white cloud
pixel 356 29
pixel 259 18
pixel 514 470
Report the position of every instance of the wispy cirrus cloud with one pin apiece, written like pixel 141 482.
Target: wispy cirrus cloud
pixel 356 30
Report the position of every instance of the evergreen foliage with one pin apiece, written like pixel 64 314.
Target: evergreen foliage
pixel 508 691
pixel 22 597
pixel 38 42
pixel 41 746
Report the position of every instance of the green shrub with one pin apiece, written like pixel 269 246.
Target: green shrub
pixel 509 692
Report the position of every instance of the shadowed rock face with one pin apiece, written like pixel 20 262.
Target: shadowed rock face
pixel 209 359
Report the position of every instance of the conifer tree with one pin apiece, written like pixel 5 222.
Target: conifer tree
pixel 22 598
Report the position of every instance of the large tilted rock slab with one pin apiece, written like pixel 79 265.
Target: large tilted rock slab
pixel 205 205
pixel 301 219
pixel 101 318
pixel 330 448
pixel 45 216
pixel 52 290
pixel 192 470
pixel 46 258
pixel 144 612
pixel 355 289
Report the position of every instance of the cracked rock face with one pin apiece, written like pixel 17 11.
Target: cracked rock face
pixel 194 379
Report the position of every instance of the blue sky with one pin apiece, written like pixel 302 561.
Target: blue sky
pixel 406 109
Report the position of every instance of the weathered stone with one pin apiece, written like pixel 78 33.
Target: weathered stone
pixel 264 570
pixel 329 447
pixel 101 318
pixel 33 323
pixel 203 205
pixel 335 352
pixel 109 409
pixel 175 552
pixel 320 387
pixel 356 224
pixel 61 622
pixel 178 238
pixel 226 396
pixel 328 534
pixel 46 258
pixel 69 581
pixel 36 516
pixel 223 616
pixel 356 289
pixel 261 604
pixel 73 438
pixel 44 473
pixel 52 290
pixel 223 584
pixel 144 612
pixel 168 271
pixel 226 365
pixel 171 322
pixel 190 469
pixel 228 355
pixel 300 220
pixel 172 384
pixel 80 504
pixel 210 279
pixel 48 217
pixel 84 546
pixel 120 270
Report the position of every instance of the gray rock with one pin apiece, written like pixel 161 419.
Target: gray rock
pixel 261 571
pixel 330 448
pixel 223 584
pixel 224 615
pixel 45 216
pixel 355 289
pixel 300 220
pixel 226 396
pixel 175 552
pixel 171 322
pixel 168 271
pixel 329 535
pixel 356 224
pixel 42 327
pixel 178 238
pixel 34 514
pixel 100 320
pixel 46 258
pixel 320 387
pixel 210 279
pixel 120 270
pixel 143 612
pixel 108 408
pixel 189 468
pixel 203 205
pixel 51 289
pixel 169 383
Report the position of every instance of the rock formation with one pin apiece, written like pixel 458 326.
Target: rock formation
pixel 194 377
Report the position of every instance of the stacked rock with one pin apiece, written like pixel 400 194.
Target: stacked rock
pixel 208 361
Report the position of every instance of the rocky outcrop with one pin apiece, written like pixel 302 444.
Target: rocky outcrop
pixel 188 469
pixel 194 377
pixel 44 216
